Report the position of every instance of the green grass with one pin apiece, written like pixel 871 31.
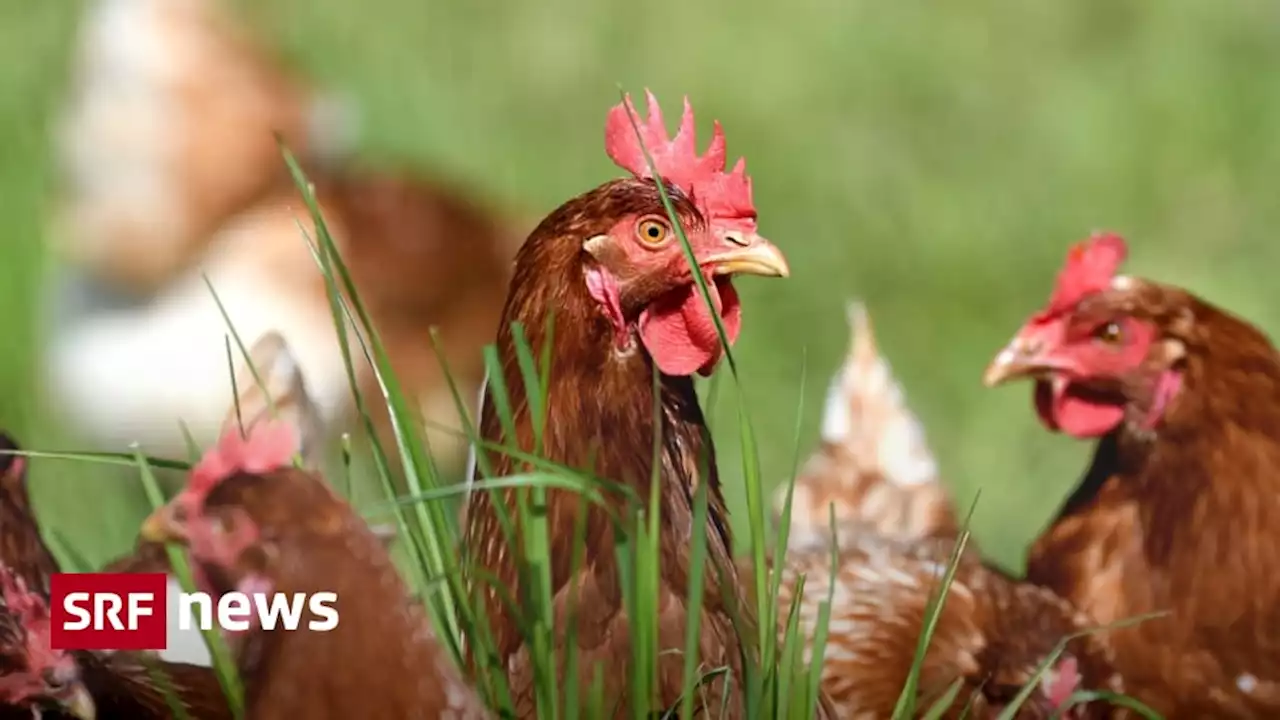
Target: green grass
pixel 932 158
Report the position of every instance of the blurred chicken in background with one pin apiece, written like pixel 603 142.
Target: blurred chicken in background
pixel 169 131
pixel 874 463
pixel 171 173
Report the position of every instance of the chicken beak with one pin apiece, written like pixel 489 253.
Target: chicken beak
pixel 78 703
pixel 160 527
pixel 1028 355
pixel 1011 363
pixel 753 256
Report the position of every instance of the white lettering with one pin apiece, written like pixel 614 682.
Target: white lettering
pixel 234 603
pixel 322 604
pixel 107 607
pixel 137 609
pixel 291 608
pixel 236 611
pixel 197 599
pixel 71 603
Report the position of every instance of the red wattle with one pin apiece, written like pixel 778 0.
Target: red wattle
pixel 1064 409
pixel 679 332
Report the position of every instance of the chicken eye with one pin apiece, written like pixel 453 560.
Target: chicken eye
pixel 1109 333
pixel 653 232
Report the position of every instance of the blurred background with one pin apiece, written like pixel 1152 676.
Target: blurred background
pixel 933 159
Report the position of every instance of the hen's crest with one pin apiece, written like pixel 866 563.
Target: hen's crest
pixel 702 177
pixel 1089 268
pixel 268 445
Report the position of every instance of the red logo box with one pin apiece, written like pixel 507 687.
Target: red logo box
pixel 109 611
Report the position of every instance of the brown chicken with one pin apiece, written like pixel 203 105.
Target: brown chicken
pixel 174 173
pixel 35 680
pixel 993 633
pixel 168 131
pixel 279 391
pixel 420 257
pixel 610 267
pixel 120 683
pixel 255 523
pixel 1179 511
pixel 874 464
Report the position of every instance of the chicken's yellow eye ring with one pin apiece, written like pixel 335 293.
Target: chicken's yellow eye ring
pixel 652 231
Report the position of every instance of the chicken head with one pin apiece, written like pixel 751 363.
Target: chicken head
pixel 221 536
pixel 1097 359
pixel 674 321
pixel 34 674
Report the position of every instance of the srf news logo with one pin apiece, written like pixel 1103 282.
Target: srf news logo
pixel 129 611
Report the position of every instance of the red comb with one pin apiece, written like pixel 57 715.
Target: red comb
pixel 269 445
pixel 1090 267
pixel 721 195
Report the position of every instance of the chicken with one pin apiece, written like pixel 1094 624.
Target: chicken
pixel 993 633
pixel 1179 510
pixel 398 239
pixel 37 680
pixel 255 523
pixel 200 165
pixel 610 267
pixel 168 131
pixel 120 682
pixel 874 464
pixel 277 389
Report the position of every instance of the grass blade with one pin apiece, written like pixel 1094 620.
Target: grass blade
pixel 905 709
pixel 223 663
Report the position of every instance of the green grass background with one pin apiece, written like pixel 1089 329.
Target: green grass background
pixel 933 158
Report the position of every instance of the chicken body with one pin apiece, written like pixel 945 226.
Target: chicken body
pixel 603 289
pixel 1179 510
pixel 601 417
